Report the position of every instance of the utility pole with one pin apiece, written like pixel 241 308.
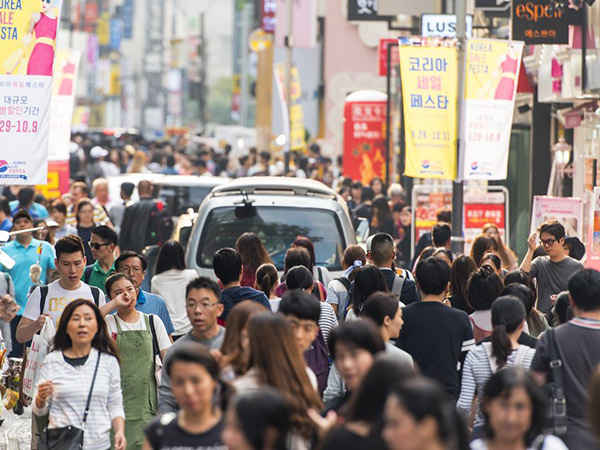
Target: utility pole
pixel 203 62
pixel 289 44
pixel 458 240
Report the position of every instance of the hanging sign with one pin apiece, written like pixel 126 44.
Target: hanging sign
pixel 539 22
pixel 429 94
pixel 567 210
pixel 492 69
pixel 27 40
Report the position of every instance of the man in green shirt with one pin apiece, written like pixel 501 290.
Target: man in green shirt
pixel 103 243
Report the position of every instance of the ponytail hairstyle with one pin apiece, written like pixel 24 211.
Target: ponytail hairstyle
pixel 266 278
pixel 508 313
pixel 354 258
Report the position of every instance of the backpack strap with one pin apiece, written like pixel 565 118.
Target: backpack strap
pixel 87 274
pixel 95 295
pixel 520 356
pixel 397 286
pixel 155 349
pixel 487 346
pixel 559 404
pixel 43 295
pixel 345 282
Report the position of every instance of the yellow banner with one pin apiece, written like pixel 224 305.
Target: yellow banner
pixel 103 29
pixel 429 93
pixel 297 141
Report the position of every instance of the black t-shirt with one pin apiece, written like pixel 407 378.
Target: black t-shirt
pixel 438 338
pixel 343 439
pixel 164 433
pixel 76 362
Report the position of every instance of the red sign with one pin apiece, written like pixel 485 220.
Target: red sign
pixel 427 208
pixel 90 17
pixel 382 52
pixel 479 214
pixel 364 137
pixel 267 15
pixel 58 180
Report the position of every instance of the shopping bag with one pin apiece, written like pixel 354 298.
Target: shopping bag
pixel 38 351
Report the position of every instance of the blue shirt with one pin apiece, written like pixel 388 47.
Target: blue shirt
pixel 24 259
pixel 234 295
pixel 36 211
pixel 6 225
pixel 154 304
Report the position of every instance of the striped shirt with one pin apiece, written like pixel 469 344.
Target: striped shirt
pixel 100 216
pixel 476 373
pixel 327 321
pixel 71 387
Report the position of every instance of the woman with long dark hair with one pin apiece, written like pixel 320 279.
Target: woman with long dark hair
pixel 514 408
pixel 300 256
pixel 383 221
pixel 482 245
pixel 462 268
pixel 418 416
pixel 320 273
pixel 253 254
pixel 403 217
pixel 170 281
pixel 368 280
pixel 83 360
pixel 85 225
pixel 507 256
pixel 338 291
pixel 275 361
pixel 267 281
pixel 483 288
pixel 508 320
pixel 202 396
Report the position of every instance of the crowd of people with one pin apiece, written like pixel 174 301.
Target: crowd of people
pixel 434 351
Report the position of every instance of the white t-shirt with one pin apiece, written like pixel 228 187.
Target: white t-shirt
pixel 171 285
pixel 140 325
pixel 57 300
pixel 550 443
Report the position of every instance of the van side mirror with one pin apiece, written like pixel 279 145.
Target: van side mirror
pixel 362 230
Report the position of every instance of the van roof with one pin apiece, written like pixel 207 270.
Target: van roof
pixel 270 185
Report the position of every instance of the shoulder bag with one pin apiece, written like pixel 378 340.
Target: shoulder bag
pixel 557 414
pixel 66 438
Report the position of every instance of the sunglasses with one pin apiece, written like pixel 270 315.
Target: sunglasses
pixel 96 245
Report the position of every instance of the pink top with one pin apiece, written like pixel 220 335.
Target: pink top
pixel 46 27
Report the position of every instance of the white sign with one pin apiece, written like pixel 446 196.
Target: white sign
pixel 443 25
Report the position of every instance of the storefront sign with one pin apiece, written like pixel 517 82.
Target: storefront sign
pixel 443 25
pixel 481 209
pixel 429 93
pixel 568 211
pixel 58 180
pixel 364 10
pixel 539 22
pixel 364 136
pixel 426 208
pixel 267 15
pixel 382 55
pixel 27 40
pixel 492 71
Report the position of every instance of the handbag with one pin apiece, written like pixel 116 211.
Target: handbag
pixel 155 351
pixel 557 411
pixel 66 438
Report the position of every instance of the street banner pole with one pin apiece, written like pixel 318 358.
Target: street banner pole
pixel 458 241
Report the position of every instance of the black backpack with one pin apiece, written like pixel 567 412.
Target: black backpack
pixel 161 227
pixel 317 359
pixel 343 307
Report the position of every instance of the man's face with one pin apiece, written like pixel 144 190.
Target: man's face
pixel 305 331
pixel 101 192
pixel 133 267
pixel 100 248
pixel 203 308
pixel 76 195
pixel 70 266
pixel 551 245
pixel 22 223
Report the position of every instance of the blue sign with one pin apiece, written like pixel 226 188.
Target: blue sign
pixel 127 19
pixel 116 32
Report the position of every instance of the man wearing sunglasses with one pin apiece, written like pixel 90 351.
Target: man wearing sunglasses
pixel 552 272
pixel 102 243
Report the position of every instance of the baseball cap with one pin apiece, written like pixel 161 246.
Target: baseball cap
pixel 20 214
pixel 98 152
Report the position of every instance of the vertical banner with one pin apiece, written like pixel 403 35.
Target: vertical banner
pixel 492 71
pixel 429 93
pixel 296 116
pixel 567 210
pixel 27 41
pixel 593 247
pixel 364 136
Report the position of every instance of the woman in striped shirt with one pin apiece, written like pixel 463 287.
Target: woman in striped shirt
pixel 508 318
pixel 66 374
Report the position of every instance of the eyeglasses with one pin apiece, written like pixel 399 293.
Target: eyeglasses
pixel 547 242
pixel 203 306
pixel 97 245
pixel 133 269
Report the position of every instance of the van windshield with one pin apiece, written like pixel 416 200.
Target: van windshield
pixel 277 227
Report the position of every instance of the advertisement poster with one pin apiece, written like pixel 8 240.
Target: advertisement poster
pixel 593 244
pixel 429 93
pixel 62 103
pixel 58 180
pixel 568 211
pixel 426 208
pixel 296 116
pixel 481 209
pixel 27 38
pixel 382 56
pixel 364 136
pixel 492 71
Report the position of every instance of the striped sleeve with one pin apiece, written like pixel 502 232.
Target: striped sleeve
pixel 468 385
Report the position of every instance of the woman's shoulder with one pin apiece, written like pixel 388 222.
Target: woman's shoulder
pixel 54 356
pixel 553 443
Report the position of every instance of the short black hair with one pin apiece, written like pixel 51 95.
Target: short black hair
pixel 523 293
pixel 128 188
pixel 561 307
pixel 553 227
pixel 382 247
pixel 483 288
pixel 59 206
pixel 106 233
pixel 444 215
pixel 302 305
pixel 367 194
pixel 379 305
pixel 441 234
pixel 4 206
pixel 227 264
pixel 299 277
pixel 433 276
pixel 356 185
pixel 71 243
pixel 25 196
pixel 584 287
pixel 359 334
pixel 130 254
pixel 203 283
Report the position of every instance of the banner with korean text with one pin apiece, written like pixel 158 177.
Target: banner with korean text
pixel 567 210
pixel 492 71
pixel 27 40
pixel 429 94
